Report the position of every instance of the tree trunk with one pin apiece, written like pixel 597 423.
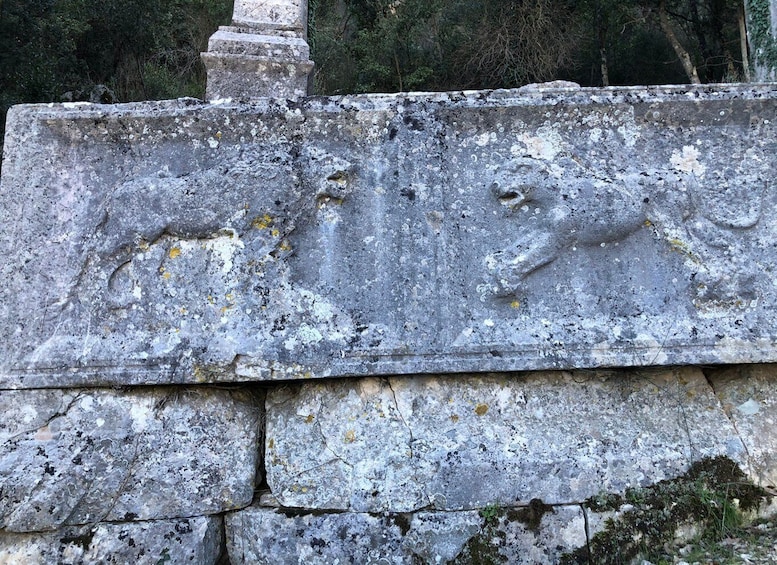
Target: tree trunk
pixel 602 25
pixel 698 30
pixel 743 44
pixel 682 53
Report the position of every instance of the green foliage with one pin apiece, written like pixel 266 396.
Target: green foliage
pixel 390 45
pixel 490 514
pixel 764 45
pixel 484 547
pixel 712 496
pixel 141 49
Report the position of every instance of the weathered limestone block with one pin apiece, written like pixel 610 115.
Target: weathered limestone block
pixel 264 52
pixel 388 234
pixel 242 77
pixel 749 397
pixel 525 536
pixel 464 442
pixel 286 15
pixel 85 456
pixel 170 542
pixel 262 535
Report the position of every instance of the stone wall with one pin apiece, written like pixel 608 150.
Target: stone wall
pixel 408 469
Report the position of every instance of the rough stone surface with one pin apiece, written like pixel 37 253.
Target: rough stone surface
pixel 85 456
pixel 265 52
pixel 464 442
pixel 268 14
pixel 388 234
pixel 262 535
pixel 246 76
pixel 749 397
pixel 171 542
pixel 526 536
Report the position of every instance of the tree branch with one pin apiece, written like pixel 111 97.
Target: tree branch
pixel 682 53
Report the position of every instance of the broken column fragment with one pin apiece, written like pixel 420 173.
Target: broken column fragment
pixel 264 53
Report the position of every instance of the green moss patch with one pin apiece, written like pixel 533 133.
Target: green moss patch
pixel 711 499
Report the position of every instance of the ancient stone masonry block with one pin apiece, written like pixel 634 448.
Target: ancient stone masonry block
pixel 749 397
pixel 267 14
pixel 465 442
pixel 171 542
pixel 496 535
pixel 388 234
pixel 264 52
pixel 86 456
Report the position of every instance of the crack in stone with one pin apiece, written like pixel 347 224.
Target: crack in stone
pixel 730 419
pixel 319 466
pixel 684 417
pixel 329 449
pixel 58 414
pixel 587 527
pixel 125 480
pixel 430 498
pixel 676 396
pixel 402 417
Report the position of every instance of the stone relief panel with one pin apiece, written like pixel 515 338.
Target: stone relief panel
pixel 180 242
pixel 651 242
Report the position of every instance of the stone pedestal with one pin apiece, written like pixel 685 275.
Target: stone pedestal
pixel 263 54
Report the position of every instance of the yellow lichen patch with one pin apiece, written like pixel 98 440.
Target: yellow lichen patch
pixel 515 304
pixel 454 418
pixel 682 247
pixel 275 232
pixel 350 436
pixel 310 419
pixel 338 178
pixel 201 375
pixel 143 245
pixel 271 443
pixel 323 201
pixel 285 245
pixel 481 409
pixel 174 252
pixel 262 222
pixel 647 223
pixel 183 311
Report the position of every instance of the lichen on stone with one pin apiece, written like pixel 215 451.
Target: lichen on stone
pixel 711 499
